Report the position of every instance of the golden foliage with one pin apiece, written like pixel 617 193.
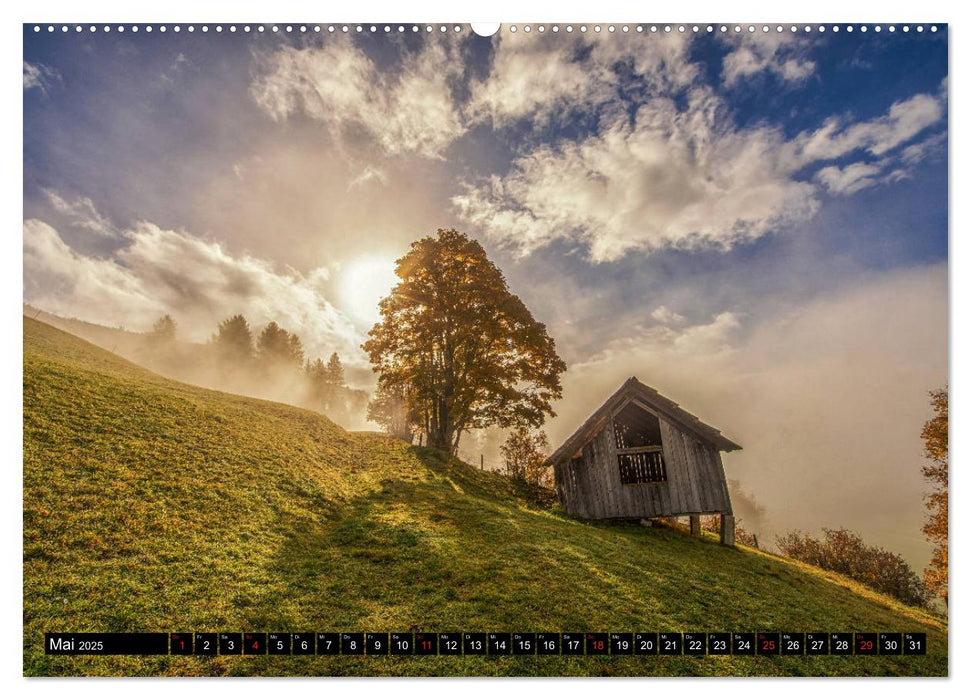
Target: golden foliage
pixel 935 436
pixel 462 348
pixel 524 454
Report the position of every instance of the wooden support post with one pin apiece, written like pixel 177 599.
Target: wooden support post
pixel 695 521
pixel 728 530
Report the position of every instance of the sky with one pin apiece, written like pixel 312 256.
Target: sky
pixel 754 224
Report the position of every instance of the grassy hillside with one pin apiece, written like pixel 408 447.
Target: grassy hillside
pixel 151 505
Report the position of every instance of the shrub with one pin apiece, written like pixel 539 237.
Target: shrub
pixel 846 553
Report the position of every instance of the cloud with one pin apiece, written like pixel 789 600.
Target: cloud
pixel 370 174
pixel 535 77
pixel 680 174
pixel 931 147
pixel 861 175
pixel 713 337
pixel 781 54
pixel 827 399
pixel 838 137
pixel 39 76
pixel 853 177
pixel 664 315
pixel 82 213
pixel 667 167
pixel 198 282
pixel 672 338
pixel 542 77
pixel 670 178
pixel 407 111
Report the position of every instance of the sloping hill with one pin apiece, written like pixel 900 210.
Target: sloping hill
pixel 151 505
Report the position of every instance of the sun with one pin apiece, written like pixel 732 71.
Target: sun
pixel 365 281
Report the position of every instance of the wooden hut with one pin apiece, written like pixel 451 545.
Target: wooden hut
pixel 640 455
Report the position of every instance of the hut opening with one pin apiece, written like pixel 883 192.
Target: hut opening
pixel 640 455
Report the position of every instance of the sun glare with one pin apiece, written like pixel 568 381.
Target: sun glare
pixel 365 281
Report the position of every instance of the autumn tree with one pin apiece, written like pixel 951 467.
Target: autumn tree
pixel 233 340
pixel 524 453
pixel 164 329
pixel 466 351
pixel 935 438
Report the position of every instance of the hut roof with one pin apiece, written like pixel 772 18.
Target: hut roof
pixel 634 389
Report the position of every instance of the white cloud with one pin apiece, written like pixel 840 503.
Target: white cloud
pixel 81 212
pixel 673 338
pixel 864 174
pixel 663 314
pixel 40 76
pixel 410 110
pixel 932 146
pixel 674 177
pixel 852 178
pixel 198 282
pixel 527 78
pixel 540 76
pixel 713 337
pixel 369 175
pixel 680 174
pixel 837 137
pixel 783 54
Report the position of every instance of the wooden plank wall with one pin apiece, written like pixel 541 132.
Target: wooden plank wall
pixel 696 480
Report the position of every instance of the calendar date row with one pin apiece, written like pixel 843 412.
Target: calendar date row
pixel 371 644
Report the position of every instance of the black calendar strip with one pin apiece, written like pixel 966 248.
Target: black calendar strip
pixel 371 644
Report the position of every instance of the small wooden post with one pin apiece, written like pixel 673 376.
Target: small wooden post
pixel 695 522
pixel 482 462
pixel 728 530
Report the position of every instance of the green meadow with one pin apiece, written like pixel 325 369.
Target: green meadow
pixel 151 505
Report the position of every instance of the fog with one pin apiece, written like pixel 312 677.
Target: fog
pixel 203 365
